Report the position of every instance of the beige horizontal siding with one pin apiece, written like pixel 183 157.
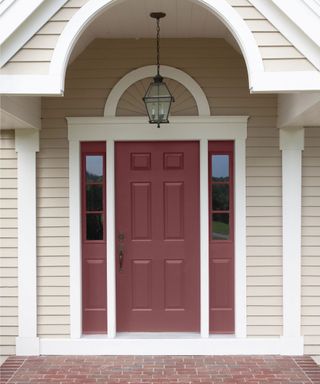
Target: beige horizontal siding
pixel 277 52
pixel 8 244
pixel 89 81
pixel 311 241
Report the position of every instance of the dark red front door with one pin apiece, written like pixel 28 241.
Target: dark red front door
pixel 157 236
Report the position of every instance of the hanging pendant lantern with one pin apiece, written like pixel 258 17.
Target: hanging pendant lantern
pixel 158 98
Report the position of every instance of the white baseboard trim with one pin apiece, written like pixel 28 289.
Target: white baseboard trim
pixel 292 345
pixel 27 346
pixel 169 346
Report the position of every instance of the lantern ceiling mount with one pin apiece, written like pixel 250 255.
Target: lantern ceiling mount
pixel 158 98
pixel 157 15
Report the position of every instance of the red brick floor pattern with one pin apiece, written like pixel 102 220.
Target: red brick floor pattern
pixel 160 369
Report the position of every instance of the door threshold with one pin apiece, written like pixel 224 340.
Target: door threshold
pixel 158 335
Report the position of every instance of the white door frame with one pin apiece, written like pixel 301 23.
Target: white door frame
pixel 197 128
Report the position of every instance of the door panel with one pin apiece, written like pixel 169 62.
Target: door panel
pixel 221 237
pixel 93 206
pixel 157 211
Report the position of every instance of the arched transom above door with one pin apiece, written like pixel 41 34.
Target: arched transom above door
pixel 125 99
pixel 131 103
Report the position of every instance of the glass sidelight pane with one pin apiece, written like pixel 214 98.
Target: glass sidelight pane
pixel 94 197
pixel 94 169
pixel 220 226
pixel 220 197
pixel 94 226
pixel 220 167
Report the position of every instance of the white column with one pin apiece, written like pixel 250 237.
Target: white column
pixel 75 240
pixel 27 144
pixel 240 238
pixel 204 239
pixel 291 145
pixel 111 271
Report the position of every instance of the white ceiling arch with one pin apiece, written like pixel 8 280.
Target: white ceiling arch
pixel 220 8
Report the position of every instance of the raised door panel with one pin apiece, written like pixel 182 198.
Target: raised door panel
pixel 173 205
pixel 140 211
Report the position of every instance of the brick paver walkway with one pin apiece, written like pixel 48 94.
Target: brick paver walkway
pixel 160 369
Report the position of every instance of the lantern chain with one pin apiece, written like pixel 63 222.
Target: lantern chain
pixel 158 46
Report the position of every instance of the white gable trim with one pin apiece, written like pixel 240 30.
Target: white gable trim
pixel 297 81
pixel 259 81
pixel 93 8
pixel 289 24
pixel 31 23
pixel 30 85
pixel 304 14
pixel 4 5
pixel 149 71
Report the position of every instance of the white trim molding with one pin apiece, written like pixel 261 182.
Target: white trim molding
pixel 170 72
pixel 112 129
pixel 30 85
pixel 291 145
pixel 27 144
pixel 288 19
pixel 167 345
pixel 204 240
pixel 21 21
pixel 284 82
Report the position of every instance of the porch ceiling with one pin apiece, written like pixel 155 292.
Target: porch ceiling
pixel 130 19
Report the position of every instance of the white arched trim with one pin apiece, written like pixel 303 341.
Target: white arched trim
pixel 149 71
pixel 93 8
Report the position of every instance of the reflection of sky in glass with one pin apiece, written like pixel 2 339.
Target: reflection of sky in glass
pixel 94 165
pixel 220 165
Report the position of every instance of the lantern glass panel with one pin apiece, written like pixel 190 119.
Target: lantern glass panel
pixel 158 101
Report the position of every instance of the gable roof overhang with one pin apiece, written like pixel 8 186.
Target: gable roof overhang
pixel 259 79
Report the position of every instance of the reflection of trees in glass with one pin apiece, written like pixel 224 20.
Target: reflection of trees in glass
pixel 94 197
pixel 94 227
pixel 220 197
pixel 221 179
pixel 220 226
pixel 91 177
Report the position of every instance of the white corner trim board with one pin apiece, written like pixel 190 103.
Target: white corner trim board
pixel 170 72
pixel 93 8
pixel 27 144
